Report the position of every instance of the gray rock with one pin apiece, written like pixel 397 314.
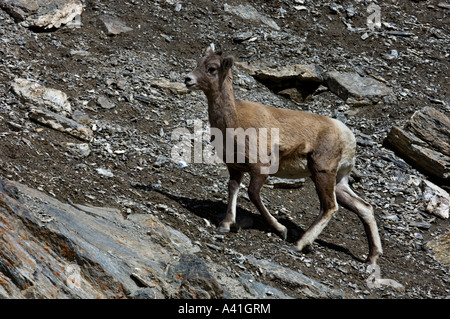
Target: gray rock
pixel 142 293
pixel 296 81
pixel 243 36
pixel 55 250
pixel 432 127
pixel 160 161
pixel 276 182
pixel 357 90
pixel 443 5
pixel 105 103
pixel 105 172
pixel 436 200
pixel 295 72
pixel 114 25
pixel 167 236
pixel 259 290
pixel 194 278
pixel 173 87
pixel 80 53
pixel 82 251
pixel 19 9
pixel 81 117
pixel 291 277
pixel 81 150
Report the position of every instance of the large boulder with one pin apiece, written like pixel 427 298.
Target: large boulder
pixel 424 142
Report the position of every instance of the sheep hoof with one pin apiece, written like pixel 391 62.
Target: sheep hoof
pixel 283 234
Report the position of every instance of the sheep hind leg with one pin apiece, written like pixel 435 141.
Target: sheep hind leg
pixel 325 184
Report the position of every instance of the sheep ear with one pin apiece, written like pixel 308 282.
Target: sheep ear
pixel 211 49
pixel 227 62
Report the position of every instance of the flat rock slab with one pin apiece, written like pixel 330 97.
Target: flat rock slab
pixel 275 182
pixel 294 72
pixel 45 14
pixel 247 12
pixel 105 102
pixel 424 142
pixel 436 200
pixel 433 127
pixel 20 9
pixel 61 123
pixel 357 90
pixel 195 279
pixel 80 150
pixel 296 81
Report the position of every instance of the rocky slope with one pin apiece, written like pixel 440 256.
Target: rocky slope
pixel 87 181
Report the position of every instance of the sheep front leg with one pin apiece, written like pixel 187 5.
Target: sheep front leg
pixel 233 191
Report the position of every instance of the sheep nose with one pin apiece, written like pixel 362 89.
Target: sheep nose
pixel 189 81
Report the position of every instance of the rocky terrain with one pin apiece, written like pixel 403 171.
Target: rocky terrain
pixel 93 205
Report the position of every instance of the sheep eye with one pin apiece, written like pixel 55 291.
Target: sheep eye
pixel 211 70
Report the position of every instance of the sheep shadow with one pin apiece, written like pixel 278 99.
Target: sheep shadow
pixel 214 211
